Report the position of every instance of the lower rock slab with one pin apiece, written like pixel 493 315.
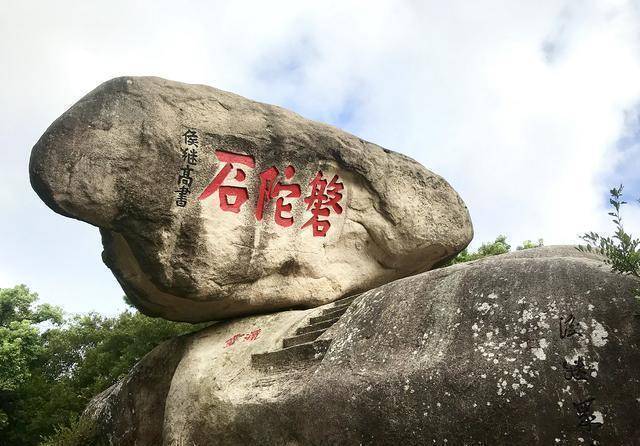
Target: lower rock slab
pixel 538 347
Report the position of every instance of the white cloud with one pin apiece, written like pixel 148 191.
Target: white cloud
pixel 519 105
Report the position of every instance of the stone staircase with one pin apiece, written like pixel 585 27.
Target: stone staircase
pixel 304 346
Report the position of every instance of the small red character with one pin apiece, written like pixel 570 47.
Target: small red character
pixel 253 335
pixel 270 189
pixel 240 194
pixel 323 196
pixel 232 340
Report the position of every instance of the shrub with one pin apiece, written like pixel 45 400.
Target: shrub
pixel 78 432
pixel 498 246
pixel 621 249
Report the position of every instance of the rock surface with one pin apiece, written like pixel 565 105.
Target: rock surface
pixel 485 353
pixel 211 205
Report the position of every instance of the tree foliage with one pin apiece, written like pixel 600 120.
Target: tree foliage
pixel 621 250
pixel 78 432
pixel 528 244
pixel 50 366
pixel 20 344
pixel 498 246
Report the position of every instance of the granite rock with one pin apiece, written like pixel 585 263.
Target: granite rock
pixel 211 205
pixel 538 347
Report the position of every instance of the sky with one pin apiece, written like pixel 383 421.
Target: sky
pixel 530 109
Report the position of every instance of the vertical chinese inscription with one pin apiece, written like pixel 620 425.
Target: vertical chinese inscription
pixel 577 370
pixel 189 160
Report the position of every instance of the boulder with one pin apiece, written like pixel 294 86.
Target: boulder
pixel 539 347
pixel 211 205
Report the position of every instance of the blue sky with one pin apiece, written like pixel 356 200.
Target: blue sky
pixel 529 109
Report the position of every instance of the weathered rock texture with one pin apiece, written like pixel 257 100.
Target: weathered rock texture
pixel 115 160
pixel 475 354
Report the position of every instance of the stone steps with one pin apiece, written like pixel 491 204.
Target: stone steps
pixel 345 300
pixel 317 326
pixel 304 346
pixel 335 313
pixel 310 351
pixel 336 307
pixel 303 338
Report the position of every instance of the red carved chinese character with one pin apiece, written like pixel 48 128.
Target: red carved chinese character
pixel 253 335
pixel 270 189
pixel 232 340
pixel 323 196
pixel 240 194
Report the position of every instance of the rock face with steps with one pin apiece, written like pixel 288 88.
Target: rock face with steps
pixel 212 206
pixel 304 345
pixel 537 347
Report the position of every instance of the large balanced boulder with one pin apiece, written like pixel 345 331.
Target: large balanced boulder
pixel 539 347
pixel 211 205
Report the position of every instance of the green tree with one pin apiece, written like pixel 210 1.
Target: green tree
pixel 79 432
pixel 498 246
pixel 621 250
pixel 65 363
pixel 528 244
pixel 20 344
